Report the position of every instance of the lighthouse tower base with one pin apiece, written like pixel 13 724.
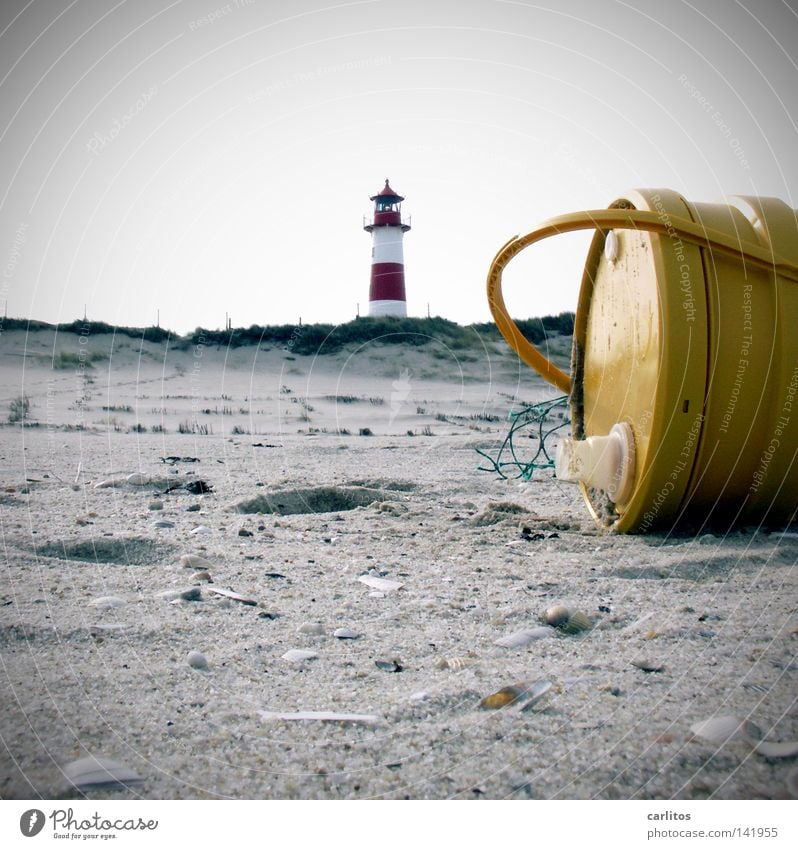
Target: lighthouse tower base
pixel 397 308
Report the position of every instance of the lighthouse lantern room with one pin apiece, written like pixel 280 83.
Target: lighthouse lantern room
pixel 387 290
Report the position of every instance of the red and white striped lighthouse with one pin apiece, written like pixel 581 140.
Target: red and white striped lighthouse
pixel 387 291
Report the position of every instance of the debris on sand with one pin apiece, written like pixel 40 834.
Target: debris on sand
pixel 95 771
pixel 197 660
pixel 382 584
pixel 195 561
pixel 233 596
pixel 518 639
pixel 319 716
pixel 524 694
pixel 299 655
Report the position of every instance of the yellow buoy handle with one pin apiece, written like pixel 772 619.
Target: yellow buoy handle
pixel 613 219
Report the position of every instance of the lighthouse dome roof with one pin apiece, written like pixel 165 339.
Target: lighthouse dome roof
pixel 387 192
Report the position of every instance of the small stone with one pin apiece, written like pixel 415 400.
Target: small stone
pixel 197 660
pixel 557 615
pixel 313 629
pixel 389 665
pixel 155 505
pixel 138 479
pixel 192 508
pixel 648 665
pixel 162 523
pixel 201 529
pixel 195 561
pixel 345 634
pixel 245 533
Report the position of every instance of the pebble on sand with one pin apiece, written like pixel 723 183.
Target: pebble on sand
pixel 194 561
pixel 184 594
pixel 201 529
pixel 197 660
pixel 345 634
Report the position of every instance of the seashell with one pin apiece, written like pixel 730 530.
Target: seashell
pixel 382 584
pixel 345 634
pixel 719 729
pixel 777 750
pixel 138 479
pixel 94 771
pixel 534 693
pixel 202 576
pixel 577 622
pixel 502 698
pixel 185 594
pixel 232 595
pixel 389 665
pixel 197 660
pixel 109 483
pixel 194 561
pixel 648 665
pixel 522 638
pixel 312 629
pixel 200 529
pixel 107 602
pixel 319 716
pixel 299 655
pixel 557 615
pixel 456 664
pixel 792 783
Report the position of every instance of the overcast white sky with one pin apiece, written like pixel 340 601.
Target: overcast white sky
pixel 204 157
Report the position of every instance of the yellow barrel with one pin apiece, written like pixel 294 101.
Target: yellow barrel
pixel 684 368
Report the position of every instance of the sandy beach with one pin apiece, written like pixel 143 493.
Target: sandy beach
pixel 340 493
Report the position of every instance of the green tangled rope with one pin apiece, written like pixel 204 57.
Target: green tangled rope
pixel 538 419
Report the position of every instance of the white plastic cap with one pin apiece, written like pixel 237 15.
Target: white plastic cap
pixel 601 462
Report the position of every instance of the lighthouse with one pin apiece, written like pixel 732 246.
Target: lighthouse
pixel 387 290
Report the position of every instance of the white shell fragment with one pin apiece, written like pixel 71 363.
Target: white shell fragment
pixel 107 602
pixel 455 664
pixel 201 529
pixel 194 561
pixel 777 750
pixel 319 716
pixel 719 729
pixel 345 634
pixel 299 655
pixel 534 693
pixel 234 596
pixel 94 771
pixel 197 660
pixel 522 638
pixel 381 584
pixel 109 483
